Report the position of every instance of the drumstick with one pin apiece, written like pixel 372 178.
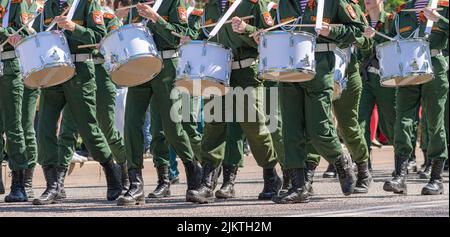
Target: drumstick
pixel 229 21
pixel 312 25
pixel 420 9
pixel 383 35
pixel 133 6
pixel 21 28
pixel 53 23
pixel 274 27
pixel 95 45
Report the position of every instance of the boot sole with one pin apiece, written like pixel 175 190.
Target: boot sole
pixel 292 202
pixel 39 203
pixel 200 200
pixel 431 193
pixel 158 196
pixel 220 195
pixel 135 203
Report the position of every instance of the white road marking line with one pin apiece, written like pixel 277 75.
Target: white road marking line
pixel 377 209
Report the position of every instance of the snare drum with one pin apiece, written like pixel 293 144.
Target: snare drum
pixel 287 56
pixel 405 62
pixel 204 68
pixel 131 56
pixel 45 59
pixel 340 65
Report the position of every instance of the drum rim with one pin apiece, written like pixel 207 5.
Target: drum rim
pixel 204 78
pixel 57 64
pixel 270 70
pixel 275 32
pixel 136 56
pixel 51 32
pixel 132 25
pixel 384 44
pixel 413 74
pixel 194 42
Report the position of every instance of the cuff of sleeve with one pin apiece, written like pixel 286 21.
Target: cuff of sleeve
pixel 442 24
pixel 160 23
pixel 79 30
pixel 249 29
pixel 333 32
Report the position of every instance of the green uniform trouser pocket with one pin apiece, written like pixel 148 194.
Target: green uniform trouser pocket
pixel 11 95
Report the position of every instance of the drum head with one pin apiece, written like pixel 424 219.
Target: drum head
pixel 205 88
pixel 407 81
pixel 137 71
pixel 288 76
pixel 50 76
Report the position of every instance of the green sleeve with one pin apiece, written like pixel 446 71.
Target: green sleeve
pixel 351 32
pixel 262 14
pixel 164 28
pixel 93 32
pixel 443 23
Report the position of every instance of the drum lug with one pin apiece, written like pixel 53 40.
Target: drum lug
pixel 38 44
pixel 202 69
pixel 127 53
pixel 425 66
pixel 305 61
pixel 180 53
pixel 291 41
pixel 400 66
pixel 264 62
pixel 291 61
pixel 120 35
pixel 55 55
pixel 187 68
pixel 42 59
pixel 414 66
pixel 204 50
pixel 228 75
pixel 230 57
pixel 399 50
pixel 264 42
pixel 114 58
pixel 63 40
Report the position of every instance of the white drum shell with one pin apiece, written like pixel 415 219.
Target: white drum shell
pixel 286 52
pixel 340 66
pixel 404 62
pixel 42 51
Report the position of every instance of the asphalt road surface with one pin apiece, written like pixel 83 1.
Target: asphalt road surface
pixel 87 197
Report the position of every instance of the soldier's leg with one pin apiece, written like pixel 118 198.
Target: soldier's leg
pixel 11 95
pixel 105 104
pixel 137 103
pixel 28 114
pixel 80 94
pixel 408 98
pixel 195 137
pixel 346 112
pixel 67 139
pixel 320 129
pixel 366 105
pixel 167 102
pixel 435 94
pixel 52 102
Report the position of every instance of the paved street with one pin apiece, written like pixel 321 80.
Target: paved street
pixel 86 197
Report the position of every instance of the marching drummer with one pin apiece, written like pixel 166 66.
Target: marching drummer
pixel 170 17
pixel 243 76
pixel 346 109
pixel 13 14
pixel 433 96
pixel 105 96
pixel 85 27
pixel 308 118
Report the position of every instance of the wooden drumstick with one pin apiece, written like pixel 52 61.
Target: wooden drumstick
pixel 420 9
pixel 21 28
pixel 85 46
pixel 135 5
pixel 229 21
pixel 274 27
pixel 53 23
pixel 311 25
pixel 383 35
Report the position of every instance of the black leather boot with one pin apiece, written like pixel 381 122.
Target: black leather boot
pixel 135 194
pixel 398 183
pixel 436 184
pixel 272 184
pixel 124 177
pixel 330 172
pixel 163 188
pixel 193 177
pixel 370 161
pixel 309 177
pixel 50 195
pixel 298 192
pixel 61 174
pixel 286 183
pixel 2 186
pixel 17 193
pixel 227 189
pixel 426 173
pixel 364 178
pixel 347 178
pixel 204 194
pixel 113 180
pixel 28 182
